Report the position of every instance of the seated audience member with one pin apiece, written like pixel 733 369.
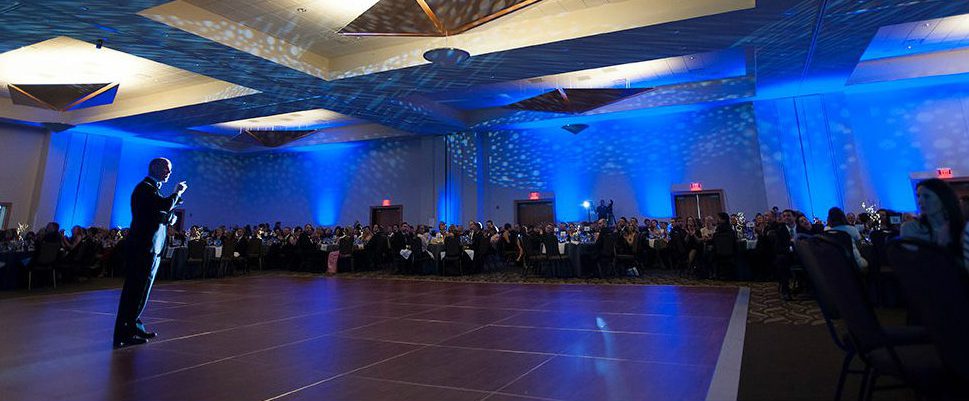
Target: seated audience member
pixel 941 220
pixel 783 236
pixel 837 221
pixel 709 227
pixel 804 227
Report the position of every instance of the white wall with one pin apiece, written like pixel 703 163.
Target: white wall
pixel 22 154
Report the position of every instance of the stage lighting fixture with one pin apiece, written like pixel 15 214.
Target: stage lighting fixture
pixel 99 44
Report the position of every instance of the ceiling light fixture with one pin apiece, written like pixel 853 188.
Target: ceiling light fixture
pixel 447 56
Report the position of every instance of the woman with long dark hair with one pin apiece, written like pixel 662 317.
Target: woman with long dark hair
pixel 941 219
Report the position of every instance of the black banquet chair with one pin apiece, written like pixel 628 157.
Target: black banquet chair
pixel 45 261
pixel 453 254
pixel 937 288
pixel 884 351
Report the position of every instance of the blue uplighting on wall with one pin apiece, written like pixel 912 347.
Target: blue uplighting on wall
pixel 132 168
pixel 328 169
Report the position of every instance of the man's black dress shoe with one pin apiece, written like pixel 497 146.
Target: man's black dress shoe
pixel 140 331
pixel 146 334
pixel 133 340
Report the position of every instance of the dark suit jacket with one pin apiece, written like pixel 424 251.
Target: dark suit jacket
pixel 150 214
pixel 782 240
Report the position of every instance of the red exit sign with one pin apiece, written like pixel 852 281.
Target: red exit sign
pixel 695 186
pixel 943 172
pixel 534 196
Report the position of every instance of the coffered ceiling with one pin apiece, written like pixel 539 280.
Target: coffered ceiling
pixel 195 71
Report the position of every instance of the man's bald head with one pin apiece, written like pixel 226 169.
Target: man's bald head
pixel 160 168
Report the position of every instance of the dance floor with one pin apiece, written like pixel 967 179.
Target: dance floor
pixel 277 337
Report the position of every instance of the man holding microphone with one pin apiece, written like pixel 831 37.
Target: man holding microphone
pixel 151 213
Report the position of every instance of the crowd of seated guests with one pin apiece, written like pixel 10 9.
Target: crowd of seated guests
pixel 83 252
pixel 704 248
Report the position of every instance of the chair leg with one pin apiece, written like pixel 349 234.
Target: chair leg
pixel 863 388
pixel 30 276
pixel 53 277
pixel 845 365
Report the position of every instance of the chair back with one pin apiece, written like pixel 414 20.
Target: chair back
pixel 813 267
pixel 254 248
pixel 938 289
pixel 452 247
pixel 346 246
pixel 483 247
pixel 48 253
pixel 196 249
pixel 879 244
pixel 607 246
pixel 228 248
pixel 627 248
pixel 396 242
pixel 843 287
pixel 551 245
pixel 417 248
pixel 724 244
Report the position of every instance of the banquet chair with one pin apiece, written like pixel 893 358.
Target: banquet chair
pixel 606 253
pixel 453 254
pixel 884 351
pixel 45 261
pixel 345 247
pixel 196 255
pixel 254 252
pixel 724 255
pixel 419 258
pixel 938 289
pixel 553 257
pixel 534 259
pixel 624 259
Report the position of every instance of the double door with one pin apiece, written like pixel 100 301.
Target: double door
pixel 698 204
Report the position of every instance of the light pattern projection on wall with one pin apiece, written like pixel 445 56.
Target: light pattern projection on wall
pixel 649 153
pixel 908 132
pixel 325 184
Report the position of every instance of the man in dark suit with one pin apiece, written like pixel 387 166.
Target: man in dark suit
pixel 784 234
pixel 151 213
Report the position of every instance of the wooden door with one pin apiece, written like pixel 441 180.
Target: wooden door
pixel 386 216
pixel 535 212
pixel 686 205
pixel 710 204
pixel 698 204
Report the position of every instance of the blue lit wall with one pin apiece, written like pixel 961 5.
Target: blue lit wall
pixel 906 131
pixel 864 145
pixel 808 152
pixel 82 191
pixel 323 184
pixel 636 161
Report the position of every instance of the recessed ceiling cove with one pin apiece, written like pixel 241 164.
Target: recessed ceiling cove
pixel 430 17
pixel 309 35
pixel 65 80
